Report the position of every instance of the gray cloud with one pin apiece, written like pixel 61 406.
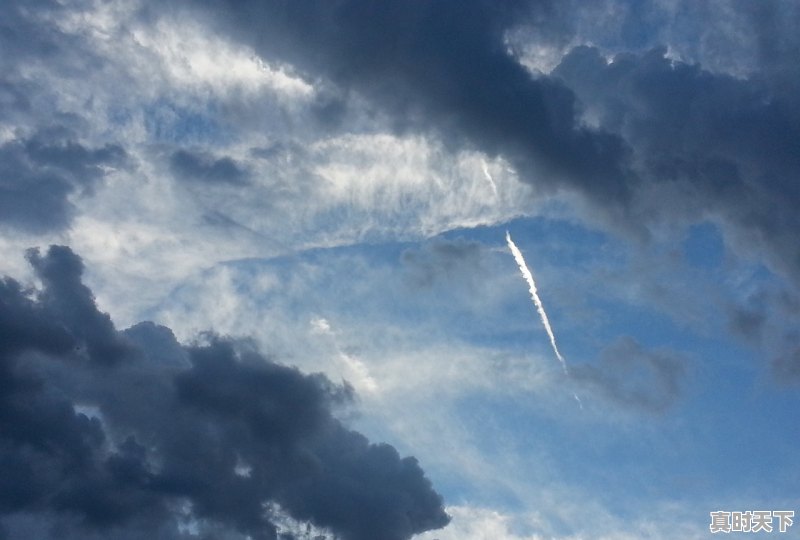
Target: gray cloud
pixel 747 323
pixel 633 376
pixel 38 174
pixel 707 143
pixel 442 260
pixel 672 140
pixel 202 167
pixel 121 435
pixel 443 67
pixel 786 366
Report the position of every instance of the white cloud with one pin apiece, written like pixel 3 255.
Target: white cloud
pixel 151 232
pixel 477 524
pixel 483 523
pixel 192 58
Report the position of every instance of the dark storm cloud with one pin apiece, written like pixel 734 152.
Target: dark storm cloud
pixel 70 301
pixel 672 141
pixel 38 174
pixel 709 143
pixel 443 67
pixel 633 376
pixel 124 435
pixel 202 167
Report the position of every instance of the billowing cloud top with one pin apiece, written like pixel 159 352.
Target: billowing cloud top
pixel 124 434
pixel 332 180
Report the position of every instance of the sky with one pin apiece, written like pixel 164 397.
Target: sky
pixel 432 269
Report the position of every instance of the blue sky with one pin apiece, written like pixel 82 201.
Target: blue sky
pixel 322 187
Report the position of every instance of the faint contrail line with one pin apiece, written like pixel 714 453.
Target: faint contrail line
pixel 535 296
pixel 488 176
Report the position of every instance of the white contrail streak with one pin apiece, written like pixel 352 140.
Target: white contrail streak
pixel 536 300
pixel 488 176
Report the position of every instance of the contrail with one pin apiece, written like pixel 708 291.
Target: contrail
pixel 488 176
pixel 536 300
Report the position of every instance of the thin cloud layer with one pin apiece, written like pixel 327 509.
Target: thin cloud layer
pixel 635 377
pixel 120 433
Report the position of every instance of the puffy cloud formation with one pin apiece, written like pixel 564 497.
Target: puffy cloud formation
pixel 128 434
pixel 709 144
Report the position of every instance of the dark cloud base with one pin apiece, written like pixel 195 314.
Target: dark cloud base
pixel 201 167
pixel 38 174
pixel 441 67
pixel 108 434
pixel 668 141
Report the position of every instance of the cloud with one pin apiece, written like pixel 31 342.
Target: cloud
pixel 633 376
pixel 708 145
pixel 126 434
pixel 68 300
pixel 786 365
pixel 443 261
pixel 626 135
pixel 443 68
pixel 202 167
pixel 747 323
pixel 38 174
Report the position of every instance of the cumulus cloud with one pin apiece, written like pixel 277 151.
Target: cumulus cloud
pixel 709 144
pixel 124 434
pixel 264 133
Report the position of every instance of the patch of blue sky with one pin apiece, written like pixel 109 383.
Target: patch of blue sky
pixel 722 441
pixel 591 457
pixel 675 460
pixel 120 116
pixel 689 458
pixel 170 122
pixel 704 247
pixel 692 451
pixel 648 325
